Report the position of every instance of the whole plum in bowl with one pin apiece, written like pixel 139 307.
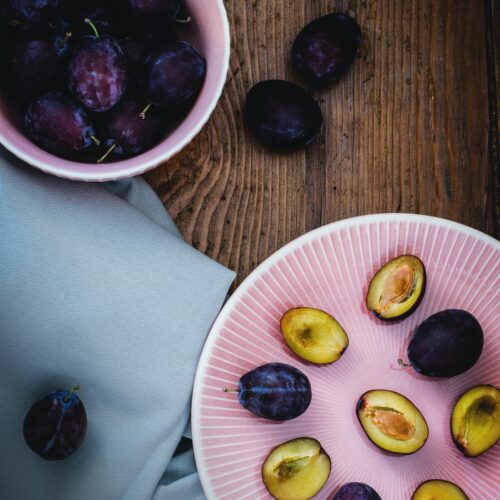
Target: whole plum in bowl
pixel 113 52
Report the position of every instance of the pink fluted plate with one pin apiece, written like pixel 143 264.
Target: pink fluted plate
pixel 330 269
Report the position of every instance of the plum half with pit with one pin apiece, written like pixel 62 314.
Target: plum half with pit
pixel 59 125
pixel 34 63
pixel 55 426
pixel 296 470
pixel 392 422
pixel 446 344
pixel 356 491
pixel 326 47
pixel 436 489
pixel 282 115
pixel 173 74
pixel 397 288
pixel 313 335
pixel 475 421
pixel 275 391
pixel 97 72
pixel 131 127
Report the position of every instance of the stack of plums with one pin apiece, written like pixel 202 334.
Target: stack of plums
pixel 446 344
pixel 97 79
pixel 283 115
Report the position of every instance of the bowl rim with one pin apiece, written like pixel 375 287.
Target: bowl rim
pixel 141 167
pixel 254 276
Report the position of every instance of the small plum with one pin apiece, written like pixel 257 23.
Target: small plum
pixel 55 426
pixel 97 72
pixel 173 74
pixel 356 491
pixel 57 124
pixel 282 115
pixel 275 391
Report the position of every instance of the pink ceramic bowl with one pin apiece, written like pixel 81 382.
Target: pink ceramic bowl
pixel 209 32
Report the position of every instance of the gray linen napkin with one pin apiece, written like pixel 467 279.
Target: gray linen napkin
pixel 97 288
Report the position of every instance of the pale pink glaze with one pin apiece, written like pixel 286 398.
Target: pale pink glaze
pixel 330 268
pixel 209 31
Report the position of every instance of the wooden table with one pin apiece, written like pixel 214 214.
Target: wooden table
pixel 412 127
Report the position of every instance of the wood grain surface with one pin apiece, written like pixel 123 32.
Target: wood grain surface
pixel 412 127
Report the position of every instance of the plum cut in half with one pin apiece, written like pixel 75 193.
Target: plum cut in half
pixel 436 489
pixel 356 491
pixel 475 421
pixel 296 470
pixel 275 391
pixel 446 344
pixel 392 422
pixel 314 335
pixel 397 288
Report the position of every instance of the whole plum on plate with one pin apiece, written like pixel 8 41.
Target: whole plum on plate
pixel 27 14
pixel 173 74
pixel 296 469
pixel 131 127
pixel 326 47
pixel 97 72
pixel 275 391
pixel 356 491
pixel 34 63
pixel 55 426
pixel 282 115
pixel 57 124
pixel 313 335
pixel 397 288
pixel 475 421
pixel 392 422
pixel 446 344
pixel 436 489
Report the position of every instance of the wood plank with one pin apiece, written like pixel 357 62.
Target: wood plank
pixel 406 130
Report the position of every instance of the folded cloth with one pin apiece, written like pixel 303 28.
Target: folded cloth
pixel 98 289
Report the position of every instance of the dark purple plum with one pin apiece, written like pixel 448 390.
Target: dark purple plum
pixel 27 14
pixel 131 127
pixel 282 115
pixel 356 491
pixel 55 426
pixel 71 15
pixel 135 48
pixel 326 47
pixel 152 13
pixel 59 125
pixel 275 391
pixel 97 73
pixel 173 74
pixel 446 344
pixel 34 63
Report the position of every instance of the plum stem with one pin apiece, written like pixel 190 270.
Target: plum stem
pixel 92 25
pixel 230 390
pixel 71 392
pixel 142 114
pixel 184 20
pixel 402 363
pixel 107 153
pixel 95 140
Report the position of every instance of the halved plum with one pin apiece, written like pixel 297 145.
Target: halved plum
pixel 475 421
pixel 392 422
pixel 438 489
pixel 397 288
pixel 446 344
pixel 296 469
pixel 314 335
